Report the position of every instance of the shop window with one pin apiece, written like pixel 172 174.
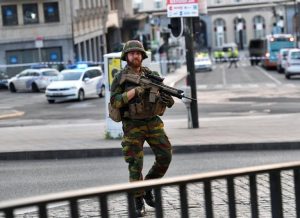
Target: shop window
pixel 51 12
pixel 9 15
pixel 30 13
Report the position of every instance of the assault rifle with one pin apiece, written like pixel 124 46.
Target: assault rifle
pixel 154 84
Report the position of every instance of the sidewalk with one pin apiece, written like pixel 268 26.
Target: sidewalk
pixel 88 140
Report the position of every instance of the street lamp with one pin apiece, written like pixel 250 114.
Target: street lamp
pixel 240 27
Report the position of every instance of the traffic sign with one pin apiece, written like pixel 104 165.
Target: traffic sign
pixel 183 8
pixel 39 42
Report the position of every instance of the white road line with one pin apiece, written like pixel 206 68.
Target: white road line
pixel 224 76
pixel 268 75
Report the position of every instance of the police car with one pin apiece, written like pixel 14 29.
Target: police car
pixel 34 79
pixel 79 83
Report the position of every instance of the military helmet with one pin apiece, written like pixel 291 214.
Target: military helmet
pixel 133 45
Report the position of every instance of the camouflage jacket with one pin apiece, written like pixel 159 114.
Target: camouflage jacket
pixel 119 99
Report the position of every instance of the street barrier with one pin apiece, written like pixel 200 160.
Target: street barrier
pixel 13 69
pixel 260 191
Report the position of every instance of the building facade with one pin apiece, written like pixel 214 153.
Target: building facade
pixel 34 31
pixel 230 21
pixel 51 31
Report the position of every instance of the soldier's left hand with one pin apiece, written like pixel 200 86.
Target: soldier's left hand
pixel 166 99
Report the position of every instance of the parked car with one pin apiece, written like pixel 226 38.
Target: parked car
pixel 281 61
pixel 78 83
pixel 3 81
pixel 292 65
pixel 203 62
pixel 33 79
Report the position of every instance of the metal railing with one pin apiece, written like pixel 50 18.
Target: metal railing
pixel 273 182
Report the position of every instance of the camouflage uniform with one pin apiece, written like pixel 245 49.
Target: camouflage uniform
pixel 137 131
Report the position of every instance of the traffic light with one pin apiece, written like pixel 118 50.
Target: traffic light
pixel 176 26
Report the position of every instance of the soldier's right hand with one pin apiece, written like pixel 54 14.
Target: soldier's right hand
pixel 139 91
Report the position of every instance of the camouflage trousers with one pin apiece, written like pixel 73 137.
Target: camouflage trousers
pixel 136 132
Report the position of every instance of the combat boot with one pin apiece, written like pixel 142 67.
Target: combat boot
pixel 139 207
pixel 149 199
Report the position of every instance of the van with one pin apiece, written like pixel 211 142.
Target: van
pixel 256 50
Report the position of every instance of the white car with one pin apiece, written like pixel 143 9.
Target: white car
pixel 77 84
pixel 281 59
pixel 292 65
pixel 33 79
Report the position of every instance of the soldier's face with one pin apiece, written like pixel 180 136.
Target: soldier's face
pixel 134 58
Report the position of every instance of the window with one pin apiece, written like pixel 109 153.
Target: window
pixel 157 4
pixel 220 32
pixel 51 12
pixel 240 31
pixel 9 15
pixel 30 13
pixel 49 73
pixel 259 27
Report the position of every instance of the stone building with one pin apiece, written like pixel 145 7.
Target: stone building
pixel 61 30
pixel 52 31
pixel 230 21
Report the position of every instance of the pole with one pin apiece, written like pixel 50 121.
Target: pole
pixel 191 70
pixel 40 55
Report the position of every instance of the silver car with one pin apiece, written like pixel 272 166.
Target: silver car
pixel 33 79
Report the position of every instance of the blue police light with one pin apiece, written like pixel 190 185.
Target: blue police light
pixel 81 66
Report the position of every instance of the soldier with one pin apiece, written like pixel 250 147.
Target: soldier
pixel 140 123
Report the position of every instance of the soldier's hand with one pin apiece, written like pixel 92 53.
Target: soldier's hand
pixel 139 91
pixel 166 99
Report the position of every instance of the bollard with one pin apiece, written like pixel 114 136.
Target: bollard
pixel 187 103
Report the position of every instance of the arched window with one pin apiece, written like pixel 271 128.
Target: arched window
pixel 240 35
pixel 259 27
pixel 220 32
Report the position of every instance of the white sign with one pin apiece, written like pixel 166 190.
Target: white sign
pixel 182 8
pixel 259 26
pixel 39 42
pixel 240 26
pixel 220 29
pixel 203 6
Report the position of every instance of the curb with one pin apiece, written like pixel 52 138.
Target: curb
pixel 115 152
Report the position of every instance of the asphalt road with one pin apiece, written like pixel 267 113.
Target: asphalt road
pixel 28 178
pixel 244 91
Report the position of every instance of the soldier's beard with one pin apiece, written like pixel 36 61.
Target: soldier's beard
pixel 134 63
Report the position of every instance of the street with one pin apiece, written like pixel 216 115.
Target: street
pixel 29 178
pixel 245 91
pixel 242 91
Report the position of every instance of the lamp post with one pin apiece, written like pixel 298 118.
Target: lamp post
pixel 240 27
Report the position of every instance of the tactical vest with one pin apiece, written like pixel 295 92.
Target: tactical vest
pixel 139 107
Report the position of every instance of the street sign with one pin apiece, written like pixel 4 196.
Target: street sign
pixel 183 8
pixel 39 42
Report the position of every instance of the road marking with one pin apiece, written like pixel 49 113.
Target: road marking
pixel 224 76
pixel 12 114
pixel 268 75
